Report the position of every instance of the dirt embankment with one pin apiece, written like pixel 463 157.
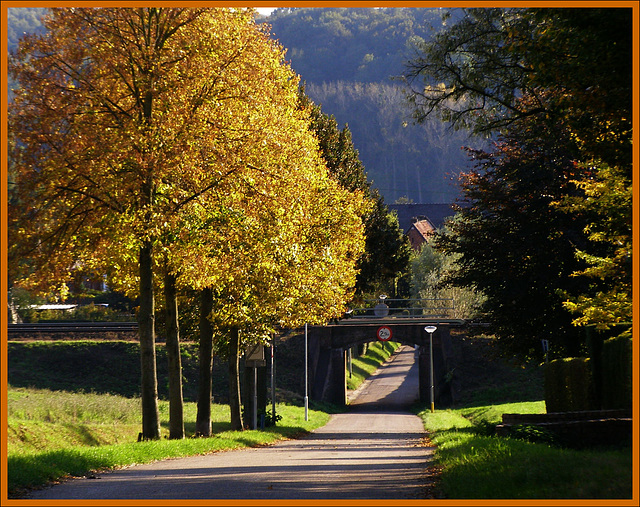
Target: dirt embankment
pixel 479 372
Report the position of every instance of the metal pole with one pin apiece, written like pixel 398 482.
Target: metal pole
pixel 306 375
pixel 430 330
pixel 255 398
pixel 431 367
pixel 273 383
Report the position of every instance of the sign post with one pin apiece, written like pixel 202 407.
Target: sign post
pixel 306 373
pixel 273 381
pixel 254 358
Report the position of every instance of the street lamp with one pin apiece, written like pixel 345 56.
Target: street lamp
pixel 381 309
pixel 431 330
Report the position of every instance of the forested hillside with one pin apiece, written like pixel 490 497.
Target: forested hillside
pixel 349 59
pixel 351 44
pixel 416 161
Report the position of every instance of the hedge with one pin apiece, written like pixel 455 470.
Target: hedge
pixel 568 385
pixel 617 372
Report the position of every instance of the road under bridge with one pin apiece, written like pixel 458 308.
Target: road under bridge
pixel 328 346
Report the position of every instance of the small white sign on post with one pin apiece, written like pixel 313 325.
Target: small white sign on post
pixel 254 356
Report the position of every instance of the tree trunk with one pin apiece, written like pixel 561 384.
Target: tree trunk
pixel 146 322
pixel 203 417
pixel 176 406
pixel 234 380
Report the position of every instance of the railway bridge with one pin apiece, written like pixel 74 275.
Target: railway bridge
pixel 328 353
pixel 401 321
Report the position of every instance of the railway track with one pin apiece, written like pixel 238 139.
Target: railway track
pixel 48 328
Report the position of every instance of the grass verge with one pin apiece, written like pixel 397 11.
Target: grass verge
pixel 477 465
pixel 45 444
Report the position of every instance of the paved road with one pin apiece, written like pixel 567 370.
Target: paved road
pixel 375 451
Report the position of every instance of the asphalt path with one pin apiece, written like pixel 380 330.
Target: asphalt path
pixel 376 450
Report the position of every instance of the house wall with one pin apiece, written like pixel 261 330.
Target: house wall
pixel 415 238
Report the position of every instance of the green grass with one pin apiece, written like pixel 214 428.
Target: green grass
pixel 52 434
pixel 479 466
pixel 100 366
pixel 62 407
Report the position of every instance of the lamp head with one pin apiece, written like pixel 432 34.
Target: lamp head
pixel 430 329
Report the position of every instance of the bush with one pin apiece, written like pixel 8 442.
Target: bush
pixel 484 428
pixel 533 433
pixel 568 385
pixel 617 376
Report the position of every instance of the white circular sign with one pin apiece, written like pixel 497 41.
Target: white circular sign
pixel 384 333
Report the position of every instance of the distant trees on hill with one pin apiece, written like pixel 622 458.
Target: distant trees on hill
pixel 349 58
pixel 351 44
pixel 420 162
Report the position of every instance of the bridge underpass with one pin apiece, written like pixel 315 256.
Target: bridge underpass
pixel 328 346
pixel 405 319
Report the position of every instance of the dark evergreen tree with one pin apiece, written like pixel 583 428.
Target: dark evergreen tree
pixel 557 83
pixel 516 247
pixel 386 258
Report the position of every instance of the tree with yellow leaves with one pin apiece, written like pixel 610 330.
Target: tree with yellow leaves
pixel 281 251
pixel 144 134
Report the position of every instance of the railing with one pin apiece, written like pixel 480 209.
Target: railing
pixel 72 327
pixel 437 308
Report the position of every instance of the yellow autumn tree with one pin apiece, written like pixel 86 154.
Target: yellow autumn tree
pixel 276 244
pixel 138 129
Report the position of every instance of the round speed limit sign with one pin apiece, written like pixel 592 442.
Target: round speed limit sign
pixel 384 333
